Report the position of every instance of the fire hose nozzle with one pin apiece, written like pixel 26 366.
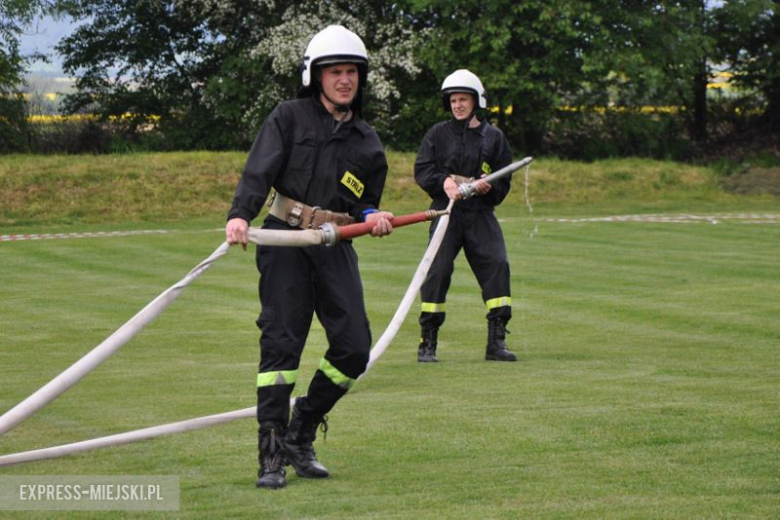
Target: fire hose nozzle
pixel 468 190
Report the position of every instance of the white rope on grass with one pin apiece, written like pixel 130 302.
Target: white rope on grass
pixel 214 420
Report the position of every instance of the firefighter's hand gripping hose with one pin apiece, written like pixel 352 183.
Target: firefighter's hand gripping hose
pixel 90 361
pixel 468 190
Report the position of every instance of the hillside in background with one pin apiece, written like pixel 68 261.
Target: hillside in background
pixel 64 190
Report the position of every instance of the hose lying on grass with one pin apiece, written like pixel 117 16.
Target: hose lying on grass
pixel 326 236
pixel 82 367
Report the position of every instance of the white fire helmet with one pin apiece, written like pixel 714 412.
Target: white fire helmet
pixel 463 81
pixel 335 44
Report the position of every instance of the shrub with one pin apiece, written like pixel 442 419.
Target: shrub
pixel 13 125
pixel 68 135
pixel 588 134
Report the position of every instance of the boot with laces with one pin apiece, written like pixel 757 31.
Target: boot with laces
pixel 496 345
pixel 298 444
pixel 426 350
pixel 272 474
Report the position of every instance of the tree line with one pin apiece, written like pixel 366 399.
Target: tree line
pixel 570 78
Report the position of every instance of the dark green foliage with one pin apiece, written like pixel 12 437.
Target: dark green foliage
pixel 70 136
pixel 162 60
pixel 526 53
pixel 748 32
pixel 589 135
pixel 13 124
pixel 170 75
pixel 15 16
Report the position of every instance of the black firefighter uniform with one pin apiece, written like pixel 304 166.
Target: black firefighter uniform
pixel 305 155
pixel 451 149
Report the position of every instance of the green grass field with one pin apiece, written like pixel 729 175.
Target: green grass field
pixel 648 384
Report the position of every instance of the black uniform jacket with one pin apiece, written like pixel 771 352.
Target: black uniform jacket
pixel 449 148
pixel 298 153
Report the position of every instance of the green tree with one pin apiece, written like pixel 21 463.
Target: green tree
pixel 529 54
pixel 669 51
pixel 538 55
pixel 150 61
pixel 749 44
pixel 658 53
pixel 389 37
pixel 207 72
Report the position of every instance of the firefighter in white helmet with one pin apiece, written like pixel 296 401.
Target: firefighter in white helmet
pixel 453 152
pixel 326 164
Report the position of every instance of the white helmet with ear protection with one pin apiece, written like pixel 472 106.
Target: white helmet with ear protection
pixel 463 81
pixel 334 44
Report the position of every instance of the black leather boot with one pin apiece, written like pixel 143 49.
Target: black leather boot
pixel 298 446
pixel 426 351
pixel 272 473
pixel 496 346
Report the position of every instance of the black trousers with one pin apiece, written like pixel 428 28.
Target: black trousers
pixel 295 283
pixel 479 234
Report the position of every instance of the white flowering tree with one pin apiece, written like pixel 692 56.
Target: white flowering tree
pixel 390 40
pixel 209 71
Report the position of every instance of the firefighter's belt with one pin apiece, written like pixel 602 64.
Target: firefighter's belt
pixel 460 179
pixel 300 215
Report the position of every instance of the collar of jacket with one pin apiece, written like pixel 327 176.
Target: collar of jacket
pixel 458 127
pixel 356 121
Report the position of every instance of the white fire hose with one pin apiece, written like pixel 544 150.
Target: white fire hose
pixel 90 361
pixel 126 332
pixel 301 238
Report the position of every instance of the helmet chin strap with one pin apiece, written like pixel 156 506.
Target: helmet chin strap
pixel 467 121
pixel 341 108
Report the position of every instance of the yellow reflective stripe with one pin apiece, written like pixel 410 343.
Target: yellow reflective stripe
pixel 486 169
pixel 433 307
pixel 503 301
pixel 279 377
pixel 335 375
